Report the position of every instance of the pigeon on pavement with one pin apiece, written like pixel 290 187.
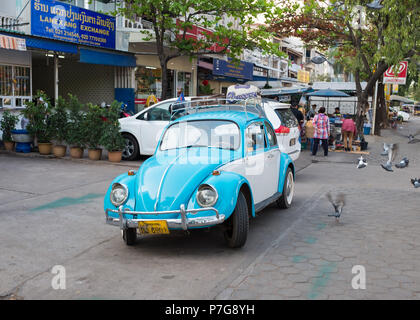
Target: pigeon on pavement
pixel 362 163
pixel 403 163
pixel 392 153
pixel 386 148
pixel 416 182
pixel 338 204
pixel 410 135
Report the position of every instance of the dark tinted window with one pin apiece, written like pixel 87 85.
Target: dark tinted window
pixel 287 118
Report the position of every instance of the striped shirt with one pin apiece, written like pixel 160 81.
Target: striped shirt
pixel 322 126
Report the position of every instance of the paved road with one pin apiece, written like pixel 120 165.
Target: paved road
pixel 51 214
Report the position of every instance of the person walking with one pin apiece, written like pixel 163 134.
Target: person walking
pixel 348 130
pixel 309 132
pixel 322 131
pixel 311 112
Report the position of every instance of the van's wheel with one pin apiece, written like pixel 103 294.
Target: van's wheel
pixel 285 201
pixel 131 150
pixel 238 224
pixel 130 236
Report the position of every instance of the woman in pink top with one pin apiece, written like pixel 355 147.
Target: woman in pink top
pixel 348 130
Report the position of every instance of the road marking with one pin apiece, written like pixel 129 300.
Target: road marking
pixel 67 201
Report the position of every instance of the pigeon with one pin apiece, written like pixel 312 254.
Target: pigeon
pixel 338 204
pixel 386 148
pixel 411 136
pixel 403 163
pixel 416 182
pixel 362 163
pixel 392 153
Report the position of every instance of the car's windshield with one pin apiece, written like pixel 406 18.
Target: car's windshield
pixel 202 133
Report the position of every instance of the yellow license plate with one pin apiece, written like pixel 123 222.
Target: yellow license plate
pixel 153 227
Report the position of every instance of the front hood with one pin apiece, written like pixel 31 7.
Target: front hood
pixel 178 173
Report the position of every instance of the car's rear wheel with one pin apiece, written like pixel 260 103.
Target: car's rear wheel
pixel 285 201
pixel 130 236
pixel 131 150
pixel 238 224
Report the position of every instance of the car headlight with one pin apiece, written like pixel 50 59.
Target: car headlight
pixel 206 195
pixel 119 194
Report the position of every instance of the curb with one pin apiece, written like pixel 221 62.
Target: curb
pixel 130 164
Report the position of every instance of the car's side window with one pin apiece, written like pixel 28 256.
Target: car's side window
pixel 157 113
pixel 272 140
pixel 255 137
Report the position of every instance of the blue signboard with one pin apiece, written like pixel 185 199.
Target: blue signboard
pixel 225 68
pixel 61 21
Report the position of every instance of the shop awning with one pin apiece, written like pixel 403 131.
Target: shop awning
pixel 51 45
pixel 285 91
pixel 107 58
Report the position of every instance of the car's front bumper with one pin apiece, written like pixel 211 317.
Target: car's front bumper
pixel 183 222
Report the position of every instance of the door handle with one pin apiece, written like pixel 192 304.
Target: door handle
pixel 270 156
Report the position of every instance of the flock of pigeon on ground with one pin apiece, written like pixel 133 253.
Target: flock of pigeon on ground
pixel 390 150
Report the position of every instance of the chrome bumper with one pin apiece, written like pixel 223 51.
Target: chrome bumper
pixel 181 223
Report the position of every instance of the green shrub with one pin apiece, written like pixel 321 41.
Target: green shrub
pixel 59 121
pixel 94 125
pixel 38 113
pixel 7 124
pixel 76 129
pixel 111 138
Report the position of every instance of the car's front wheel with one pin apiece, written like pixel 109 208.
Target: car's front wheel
pixel 131 150
pixel 238 224
pixel 285 201
pixel 129 236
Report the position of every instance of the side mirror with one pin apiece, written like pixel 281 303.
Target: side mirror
pixel 145 116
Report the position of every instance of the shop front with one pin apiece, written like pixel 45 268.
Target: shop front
pixel 181 76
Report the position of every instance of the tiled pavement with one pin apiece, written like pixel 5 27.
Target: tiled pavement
pixel 379 230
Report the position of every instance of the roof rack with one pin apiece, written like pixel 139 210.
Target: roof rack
pixel 183 108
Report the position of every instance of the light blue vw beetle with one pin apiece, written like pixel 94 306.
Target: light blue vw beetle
pixel 213 166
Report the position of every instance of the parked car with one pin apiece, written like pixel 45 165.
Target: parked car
pixel 286 127
pixel 214 167
pixel 142 131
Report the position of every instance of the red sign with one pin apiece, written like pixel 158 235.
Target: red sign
pixel 396 75
pixel 199 33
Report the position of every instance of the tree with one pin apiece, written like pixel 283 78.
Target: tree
pixel 366 44
pixel 173 19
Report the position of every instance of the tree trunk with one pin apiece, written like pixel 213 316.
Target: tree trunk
pixel 165 85
pixel 381 111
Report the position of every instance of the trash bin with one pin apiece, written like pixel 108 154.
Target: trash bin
pixel 366 128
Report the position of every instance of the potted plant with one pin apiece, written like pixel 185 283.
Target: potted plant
pixel 59 124
pixel 7 124
pixel 93 126
pixel 111 138
pixel 76 133
pixel 38 112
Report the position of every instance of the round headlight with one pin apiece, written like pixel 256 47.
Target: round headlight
pixel 206 195
pixel 119 194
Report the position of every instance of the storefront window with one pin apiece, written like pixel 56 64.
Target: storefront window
pixel 15 86
pixel 149 81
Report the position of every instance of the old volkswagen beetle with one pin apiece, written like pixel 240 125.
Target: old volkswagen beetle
pixel 216 166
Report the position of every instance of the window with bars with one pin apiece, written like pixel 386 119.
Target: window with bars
pixel 15 86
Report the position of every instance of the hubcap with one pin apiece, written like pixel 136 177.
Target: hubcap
pixel 128 149
pixel 290 188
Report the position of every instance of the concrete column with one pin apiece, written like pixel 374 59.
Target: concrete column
pixel 55 77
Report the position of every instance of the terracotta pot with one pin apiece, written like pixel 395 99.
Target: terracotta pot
pixel 76 152
pixel 59 151
pixel 45 148
pixel 95 154
pixel 9 145
pixel 114 156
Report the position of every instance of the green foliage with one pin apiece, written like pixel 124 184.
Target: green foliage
pixel 38 113
pixel 93 125
pixel 111 138
pixel 205 89
pixel 7 124
pixel 76 134
pixel 59 121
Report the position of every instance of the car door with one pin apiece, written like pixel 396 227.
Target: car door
pixel 152 123
pixel 272 160
pixel 259 160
